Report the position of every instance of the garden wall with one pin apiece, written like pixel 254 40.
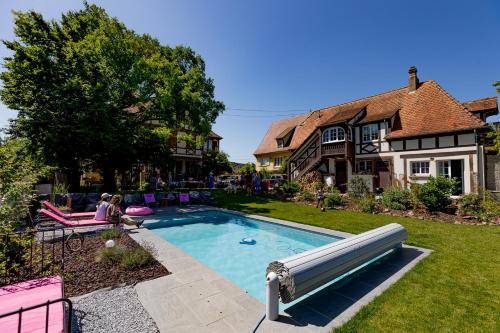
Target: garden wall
pixel 493 172
pixel 86 202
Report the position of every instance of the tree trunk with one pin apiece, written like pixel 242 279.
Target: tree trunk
pixel 73 177
pixel 108 174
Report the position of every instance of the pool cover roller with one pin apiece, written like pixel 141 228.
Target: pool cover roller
pixel 306 271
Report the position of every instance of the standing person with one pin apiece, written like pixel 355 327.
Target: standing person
pixel 242 180
pixel 211 181
pixel 248 183
pixel 232 183
pixel 113 213
pixel 102 206
pixel 321 199
pixel 257 183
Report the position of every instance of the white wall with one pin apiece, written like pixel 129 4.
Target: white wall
pixel 399 167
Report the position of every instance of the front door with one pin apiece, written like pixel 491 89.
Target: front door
pixel 341 175
pixel 384 173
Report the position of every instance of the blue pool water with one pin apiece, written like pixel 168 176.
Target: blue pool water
pixel 214 238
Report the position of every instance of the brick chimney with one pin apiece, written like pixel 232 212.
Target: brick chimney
pixel 412 79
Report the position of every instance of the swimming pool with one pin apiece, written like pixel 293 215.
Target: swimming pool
pixel 215 239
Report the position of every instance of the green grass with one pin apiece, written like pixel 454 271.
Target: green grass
pixel 455 289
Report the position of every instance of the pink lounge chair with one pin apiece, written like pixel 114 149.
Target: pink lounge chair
pixel 48 205
pixel 28 294
pixel 72 223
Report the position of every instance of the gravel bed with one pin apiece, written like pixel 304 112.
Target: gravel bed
pixel 115 310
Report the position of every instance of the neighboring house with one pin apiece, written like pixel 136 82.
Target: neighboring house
pixel 187 159
pixel 390 139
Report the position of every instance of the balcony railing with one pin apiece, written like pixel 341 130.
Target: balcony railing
pixel 336 148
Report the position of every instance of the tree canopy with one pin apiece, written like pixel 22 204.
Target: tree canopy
pixel 85 85
pixel 216 162
pixel 496 134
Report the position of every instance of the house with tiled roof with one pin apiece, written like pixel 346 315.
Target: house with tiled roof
pixel 390 139
pixel 187 158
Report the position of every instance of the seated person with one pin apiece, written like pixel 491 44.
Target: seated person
pixel 102 206
pixel 113 213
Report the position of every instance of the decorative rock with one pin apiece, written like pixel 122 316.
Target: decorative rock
pixel 110 243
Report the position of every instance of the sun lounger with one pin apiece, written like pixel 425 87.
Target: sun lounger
pixel 72 223
pixel 49 206
pixel 36 315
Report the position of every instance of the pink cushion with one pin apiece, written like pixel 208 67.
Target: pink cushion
pixel 138 210
pixel 71 223
pixel 31 293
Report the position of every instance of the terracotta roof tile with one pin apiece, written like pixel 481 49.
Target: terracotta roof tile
pixel 268 143
pixel 482 104
pixel 430 109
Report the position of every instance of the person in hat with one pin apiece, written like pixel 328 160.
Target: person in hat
pixel 115 216
pixel 102 206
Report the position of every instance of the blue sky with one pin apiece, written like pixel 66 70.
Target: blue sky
pixel 278 58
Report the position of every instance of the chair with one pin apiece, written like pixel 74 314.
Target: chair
pixel 35 306
pixel 183 198
pixel 149 199
pixel 47 204
pixel 72 223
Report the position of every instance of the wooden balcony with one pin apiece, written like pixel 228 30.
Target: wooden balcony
pixel 337 148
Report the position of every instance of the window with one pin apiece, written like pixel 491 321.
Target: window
pixel 444 169
pixel 280 143
pixel 349 134
pixel 333 134
pixel 370 132
pixel 365 167
pixel 278 161
pixel 420 168
pixel 208 145
pixel 264 161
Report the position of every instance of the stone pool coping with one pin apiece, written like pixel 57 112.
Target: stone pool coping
pixel 196 298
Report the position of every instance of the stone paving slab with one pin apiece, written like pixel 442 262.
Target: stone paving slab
pixel 195 298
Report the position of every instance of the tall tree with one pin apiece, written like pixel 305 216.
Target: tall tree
pixel 496 134
pixel 85 85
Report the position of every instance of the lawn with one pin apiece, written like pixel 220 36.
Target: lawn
pixel 455 289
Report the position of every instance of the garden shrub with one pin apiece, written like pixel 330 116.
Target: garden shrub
pixel 289 187
pixel 435 194
pixel 306 195
pixel 490 208
pixel 110 234
pixel 112 255
pixel 395 198
pixel 470 204
pixel 120 254
pixel 367 203
pixel 136 258
pixel 333 198
pixel 357 187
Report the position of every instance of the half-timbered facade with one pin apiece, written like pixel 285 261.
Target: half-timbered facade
pixel 390 139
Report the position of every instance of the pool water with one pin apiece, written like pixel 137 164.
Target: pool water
pixel 215 239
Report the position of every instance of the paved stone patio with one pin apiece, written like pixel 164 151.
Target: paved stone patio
pixel 195 298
